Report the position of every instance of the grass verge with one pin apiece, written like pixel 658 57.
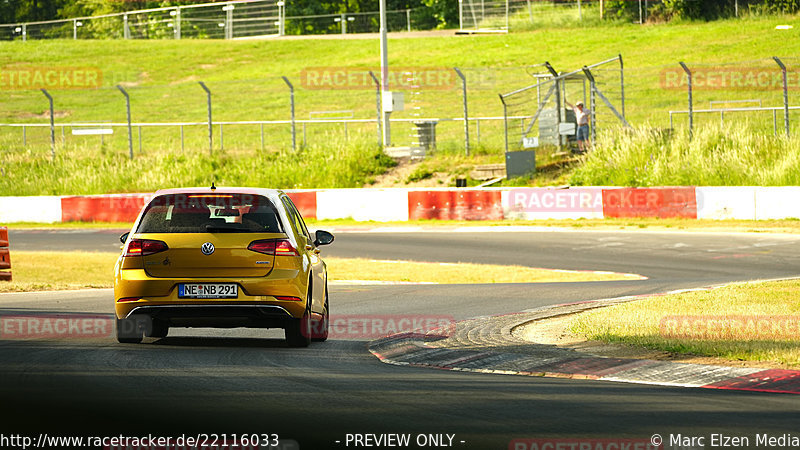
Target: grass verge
pixel 712 156
pixel 755 321
pixel 38 271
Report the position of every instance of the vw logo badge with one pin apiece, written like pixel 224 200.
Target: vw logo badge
pixel 207 248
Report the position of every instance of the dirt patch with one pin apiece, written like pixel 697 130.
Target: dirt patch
pixel 44 115
pixel 554 332
pixel 398 176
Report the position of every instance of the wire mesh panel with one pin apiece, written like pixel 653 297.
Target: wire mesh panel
pixel 58 30
pixel 151 25
pixel 483 15
pixel 543 114
pixel 254 19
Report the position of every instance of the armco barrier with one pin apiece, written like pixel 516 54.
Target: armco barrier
pixel 5 257
pixel 43 209
pixel 381 205
pixel 401 204
pixel 306 202
pixel 463 204
pixel 103 208
pixel 659 202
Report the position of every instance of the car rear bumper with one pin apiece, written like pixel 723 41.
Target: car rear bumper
pixel 214 315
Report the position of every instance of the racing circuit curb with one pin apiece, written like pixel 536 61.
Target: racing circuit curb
pixel 487 345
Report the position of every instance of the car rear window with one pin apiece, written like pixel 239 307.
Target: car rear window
pixel 210 213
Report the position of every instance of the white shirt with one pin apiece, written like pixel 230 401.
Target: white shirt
pixel 581 116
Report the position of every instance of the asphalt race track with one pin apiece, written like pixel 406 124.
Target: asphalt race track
pixel 248 381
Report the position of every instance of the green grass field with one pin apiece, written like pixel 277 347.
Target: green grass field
pixel 244 77
pixel 705 323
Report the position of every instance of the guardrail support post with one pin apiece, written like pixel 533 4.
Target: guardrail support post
pixel 291 102
pixel 128 109
pixel 689 85
pixel 210 126
pixel 52 125
pixel 466 114
pixel 785 94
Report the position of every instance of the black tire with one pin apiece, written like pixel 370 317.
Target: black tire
pixel 129 331
pixel 158 329
pixel 298 331
pixel 323 335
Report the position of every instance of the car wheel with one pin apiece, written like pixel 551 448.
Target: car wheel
pixel 320 329
pixel 298 331
pixel 129 331
pixel 158 329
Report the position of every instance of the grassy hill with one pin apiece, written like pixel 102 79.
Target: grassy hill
pixel 245 79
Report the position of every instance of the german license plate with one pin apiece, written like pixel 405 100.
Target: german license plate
pixel 208 290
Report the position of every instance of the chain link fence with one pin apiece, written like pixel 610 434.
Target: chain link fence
pixel 340 102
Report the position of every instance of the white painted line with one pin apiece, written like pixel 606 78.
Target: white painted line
pixel 375 283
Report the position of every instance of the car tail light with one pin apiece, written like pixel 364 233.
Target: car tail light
pixel 128 299
pixel 289 299
pixel 144 247
pixel 273 247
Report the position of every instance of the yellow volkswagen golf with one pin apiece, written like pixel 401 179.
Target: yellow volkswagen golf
pixel 223 258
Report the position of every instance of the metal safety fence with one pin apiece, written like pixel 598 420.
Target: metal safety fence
pixel 445 108
pixel 223 20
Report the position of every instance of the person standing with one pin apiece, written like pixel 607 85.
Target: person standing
pixel 582 119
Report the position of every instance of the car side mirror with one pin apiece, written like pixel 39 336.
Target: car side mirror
pixel 322 238
pixel 124 237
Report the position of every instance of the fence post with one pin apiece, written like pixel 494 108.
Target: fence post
pixel 558 100
pixel 466 115
pixel 460 14
pixel 580 14
pixel 408 19
pixel 126 30
pixel 177 23
pixel 592 106
pixel 52 125
pixel 505 121
pixel 691 114
pixel 785 94
pixel 291 101
pixel 622 85
pixel 377 107
pixel 128 109
pixel 210 127
pixel 228 20
pixel 281 18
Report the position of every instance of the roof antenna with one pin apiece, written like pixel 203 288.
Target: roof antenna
pixel 213 188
